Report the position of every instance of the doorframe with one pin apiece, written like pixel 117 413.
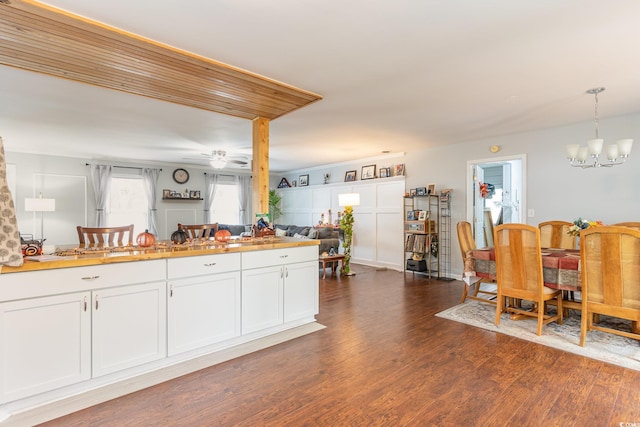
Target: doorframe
pixel 470 182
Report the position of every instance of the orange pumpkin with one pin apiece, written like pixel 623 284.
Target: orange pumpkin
pixel 222 235
pixel 145 239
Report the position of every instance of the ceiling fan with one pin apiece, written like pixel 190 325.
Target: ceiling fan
pixel 218 159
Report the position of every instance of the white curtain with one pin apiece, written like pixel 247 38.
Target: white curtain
pixel 150 182
pixel 101 180
pixel 244 198
pixel 210 183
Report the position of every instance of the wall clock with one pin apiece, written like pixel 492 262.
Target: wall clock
pixel 180 176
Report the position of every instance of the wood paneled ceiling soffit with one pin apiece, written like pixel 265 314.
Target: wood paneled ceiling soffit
pixel 39 38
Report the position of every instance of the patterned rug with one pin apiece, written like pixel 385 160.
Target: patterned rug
pixel 600 345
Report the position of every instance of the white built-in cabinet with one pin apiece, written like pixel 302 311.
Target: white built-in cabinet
pixel 203 301
pixel 45 343
pixel 278 286
pixel 68 330
pixel 377 230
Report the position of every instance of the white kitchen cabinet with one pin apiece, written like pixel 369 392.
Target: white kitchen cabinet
pixel 45 344
pixel 129 326
pixel 278 286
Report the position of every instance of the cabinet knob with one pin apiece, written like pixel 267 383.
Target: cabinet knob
pixel 211 264
pixel 90 277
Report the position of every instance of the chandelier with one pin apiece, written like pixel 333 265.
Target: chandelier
pixel 588 157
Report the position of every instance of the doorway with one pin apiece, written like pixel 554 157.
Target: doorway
pixel 496 194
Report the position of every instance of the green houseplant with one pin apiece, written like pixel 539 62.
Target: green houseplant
pixel 274 205
pixel 346 224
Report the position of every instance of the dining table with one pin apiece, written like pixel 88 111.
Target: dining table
pixel 561 270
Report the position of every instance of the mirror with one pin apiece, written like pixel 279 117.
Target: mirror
pixel 495 194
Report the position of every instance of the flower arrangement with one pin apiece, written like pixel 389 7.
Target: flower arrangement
pixel 582 224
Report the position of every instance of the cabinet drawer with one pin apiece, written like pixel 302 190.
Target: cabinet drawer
pixel 200 265
pixel 258 259
pixel 63 280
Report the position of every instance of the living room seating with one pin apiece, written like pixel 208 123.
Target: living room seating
pixel 329 236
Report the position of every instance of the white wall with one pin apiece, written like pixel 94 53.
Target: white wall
pixel 554 189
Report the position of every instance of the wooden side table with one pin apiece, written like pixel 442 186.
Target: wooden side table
pixel 334 259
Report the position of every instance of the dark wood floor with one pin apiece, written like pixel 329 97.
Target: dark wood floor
pixel 385 360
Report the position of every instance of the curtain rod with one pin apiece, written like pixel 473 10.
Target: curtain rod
pixel 122 167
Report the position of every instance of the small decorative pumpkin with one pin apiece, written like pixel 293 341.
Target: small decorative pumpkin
pixel 146 239
pixel 179 236
pixel 222 235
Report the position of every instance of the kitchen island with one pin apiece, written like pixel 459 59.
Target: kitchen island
pixel 88 326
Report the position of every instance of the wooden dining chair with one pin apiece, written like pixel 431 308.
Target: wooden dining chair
pixel 610 262
pixel 467 244
pixel 631 224
pixel 200 231
pixel 553 234
pixel 105 236
pixel 519 273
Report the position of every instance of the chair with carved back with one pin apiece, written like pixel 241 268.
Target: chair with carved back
pixel 467 244
pixel 105 236
pixel 630 224
pixel 610 268
pixel 200 231
pixel 519 274
pixel 554 234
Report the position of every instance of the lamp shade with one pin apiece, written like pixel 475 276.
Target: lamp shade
pixel 349 199
pixel 39 205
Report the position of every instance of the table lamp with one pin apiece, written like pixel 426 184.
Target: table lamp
pixel 348 201
pixel 40 205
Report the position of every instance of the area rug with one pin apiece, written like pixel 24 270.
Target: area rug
pixel 602 346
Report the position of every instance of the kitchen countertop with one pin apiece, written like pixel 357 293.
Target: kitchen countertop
pixel 76 257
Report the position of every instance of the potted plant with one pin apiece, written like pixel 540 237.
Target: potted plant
pixel 274 205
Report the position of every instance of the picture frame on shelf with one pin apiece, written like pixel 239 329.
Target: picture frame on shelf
pixel 445 194
pixel 412 192
pixel 431 189
pixel 368 172
pixel 194 194
pixel 166 193
pixel 385 172
pixel 411 216
pixel 303 180
pixel 421 191
pixel 422 216
pixel 284 183
pixel 349 176
pixel 399 169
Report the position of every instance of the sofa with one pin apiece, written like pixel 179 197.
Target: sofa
pixel 329 237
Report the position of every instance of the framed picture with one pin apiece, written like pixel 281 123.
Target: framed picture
pixel 194 194
pixel 431 189
pixel 421 191
pixel 412 192
pixel 303 180
pixel 400 170
pixel 422 216
pixel 166 194
pixel 444 195
pixel 410 216
pixel 350 176
pixel 284 183
pixel 384 172
pixel 368 172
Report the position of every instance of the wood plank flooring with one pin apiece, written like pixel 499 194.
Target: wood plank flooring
pixel 385 360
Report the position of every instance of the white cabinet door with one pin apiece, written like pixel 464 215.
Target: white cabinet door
pixel 203 310
pixel 300 290
pixel 129 326
pixel 45 343
pixel 262 290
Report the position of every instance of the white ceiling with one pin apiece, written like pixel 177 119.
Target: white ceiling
pixel 398 75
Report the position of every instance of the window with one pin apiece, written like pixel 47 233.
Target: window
pixel 128 203
pixel 225 208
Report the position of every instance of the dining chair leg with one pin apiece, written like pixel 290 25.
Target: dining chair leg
pixel 499 308
pixel 464 292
